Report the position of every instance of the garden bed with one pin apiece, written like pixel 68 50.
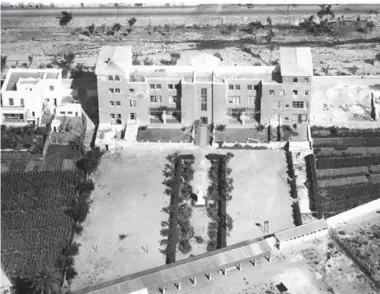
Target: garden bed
pixel 335 132
pixel 163 135
pixel 241 135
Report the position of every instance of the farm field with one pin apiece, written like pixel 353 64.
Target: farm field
pixel 347 165
pixel 260 193
pixel 361 238
pixel 35 228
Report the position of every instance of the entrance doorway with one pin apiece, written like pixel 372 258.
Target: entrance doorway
pixel 204 120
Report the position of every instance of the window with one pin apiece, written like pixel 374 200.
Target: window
pixel 11 101
pixel 204 99
pixel 237 87
pixel 132 91
pixel 249 87
pixel 112 115
pixel 55 101
pixel 76 113
pixel 62 112
pixel 204 120
pixel 69 112
pixel 306 92
pixel 295 92
pixel 299 104
pixel 22 102
pixel 51 88
pixel 33 114
pixel 47 99
pixel 281 93
pixel 170 86
pixel 117 103
pixel 172 99
pixel 111 90
pixel 230 87
pixel 132 116
pixel 158 86
pixel 132 103
pixel 112 103
pixel 117 78
pixel 277 104
pixel 295 80
pixel 234 99
pixel 110 78
pixel 152 86
pixel 256 87
pixel 156 99
pixel 306 80
pixel 117 90
pixel 271 92
pixel 251 100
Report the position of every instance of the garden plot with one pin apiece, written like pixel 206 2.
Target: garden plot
pixel 122 232
pixel 260 193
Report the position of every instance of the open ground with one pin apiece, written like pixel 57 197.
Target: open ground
pixel 129 196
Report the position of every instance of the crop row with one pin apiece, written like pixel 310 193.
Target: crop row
pixel 329 163
pixel 346 142
pixel 356 191
pixel 334 132
pixel 375 169
pixel 346 151
pixel 341 172
pixel 342 181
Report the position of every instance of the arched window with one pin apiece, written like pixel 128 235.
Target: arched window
pixel 306 80
pixel 295 80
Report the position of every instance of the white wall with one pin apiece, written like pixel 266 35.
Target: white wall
pixel 352 213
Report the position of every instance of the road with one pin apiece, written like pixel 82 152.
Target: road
pixel 213 10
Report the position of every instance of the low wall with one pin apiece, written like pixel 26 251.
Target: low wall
pixel 271 145
pixel 353 213
pixel 305 239
pixel 304 145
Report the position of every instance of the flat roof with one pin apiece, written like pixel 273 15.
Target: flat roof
pixel 52 75
pixel 15 76
pixel 301 230
pixel 183 268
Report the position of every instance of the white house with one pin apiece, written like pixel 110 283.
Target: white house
pixel 28 94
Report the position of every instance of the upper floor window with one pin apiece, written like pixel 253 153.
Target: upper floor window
pixel 62 112
pixel 11 101
pixel 281 93
pixel 295 80
pixel 172 99
pixel 299 104
pixel 306 80
pixel 255 87
pixel 251 100
pixel 51 88
pixel 117 90
pixel 271 92
pixel 306 92
pixel 132 91
pixel 230 87
pixel 111 90
pixel 170 86
pixel 249 87
pixel 277 104
pixel 117 78
pixel 112 103
pixel 234 99
pixel 155 99
pixel 117 103
pixel 152 86
pixel 110 78
pixel 22 102
pixel 203 91
pixel 237 87
pixel 69 112
pixel 158 86
pixel 295 92
pixel 132 103
pixel 112 115
pixel 204 103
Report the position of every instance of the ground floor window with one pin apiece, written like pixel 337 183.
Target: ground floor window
pixel 15 116
pixel 204 120
pixel 132 116
pixel 299 118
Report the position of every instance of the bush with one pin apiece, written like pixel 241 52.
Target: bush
pixel 148 61
pixel 116 27
pixel 110 33
pixel 143 128
pixel 184 246
pixel 199 239
pixel 71 250
pixel 71 273
pixel 78 228
pixel 220 128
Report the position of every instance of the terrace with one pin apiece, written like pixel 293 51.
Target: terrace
pixel 241 135
pixel 16 76
pixel 163 135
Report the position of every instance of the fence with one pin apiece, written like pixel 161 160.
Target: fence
pixel 353 213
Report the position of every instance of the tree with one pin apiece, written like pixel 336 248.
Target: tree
pixel 65 18
pixel 325 12
pixel 116 27
pixel 3 62
pixel 30 58
pixel 47 281
pixel 91 28
pixel 132 21
pixel 269 37
pixel 65 63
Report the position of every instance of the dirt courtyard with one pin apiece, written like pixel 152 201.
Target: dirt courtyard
pixel 260 193
pixel 127 199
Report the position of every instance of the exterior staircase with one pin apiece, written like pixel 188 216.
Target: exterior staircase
pixel 131 133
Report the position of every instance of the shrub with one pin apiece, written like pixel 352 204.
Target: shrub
pixel 220 128
pixel 71 250
pixel 143 128
pixel 199 239
pixel 71 273
pixel 116 27
pixel 184 246
pixel 211 246
pixel 132 21
pixel 218 55
pixel 148 61
pixel 260 128
pixel 78 228
pixel 110 33
pixel 122 237
pixel 342 233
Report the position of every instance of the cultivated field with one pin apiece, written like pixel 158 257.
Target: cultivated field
pixel 128 199
pixel 346 169
pixel 260 193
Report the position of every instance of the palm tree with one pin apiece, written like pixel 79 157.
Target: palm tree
pixel 47 281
